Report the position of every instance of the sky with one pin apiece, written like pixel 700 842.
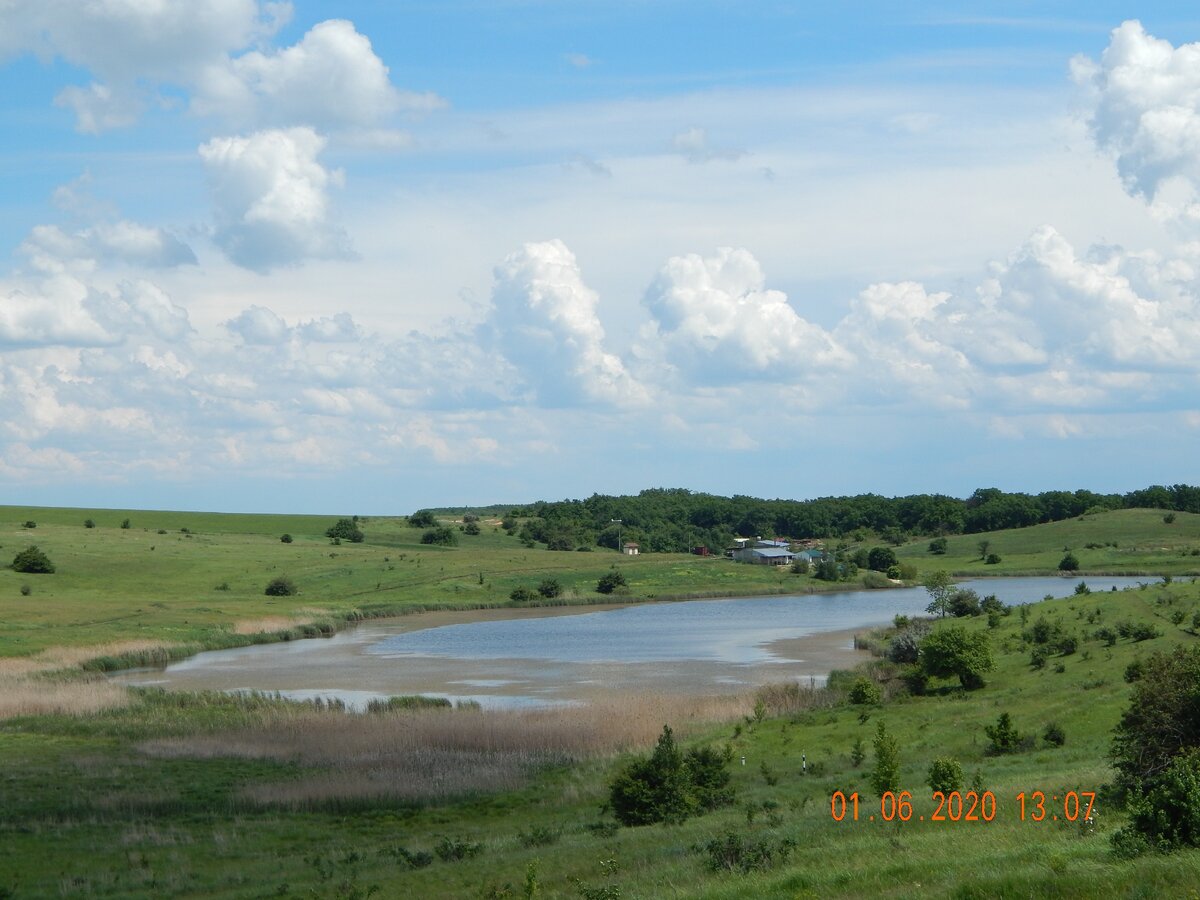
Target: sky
pixel 366 258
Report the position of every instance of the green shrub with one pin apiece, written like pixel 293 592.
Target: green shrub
pixel 993 559
pixel 422 518
pixel 280 587
pixel 865 692
pixel 549 588
pixel 443 535
pixel 126 524
pixel 29 523
pixel 733 853
pixel 963 602
pixel 1003 737
pixel 89 523
pixel 945 775
pixel 938 546
pixel 1054 735
pixel 408 701
pixel 26 590
pixel 1068 563
pixel 454 849
pixel 286 539
pixel 955 652
pixel 668 786
pixel 609 582
pixel 346 530
pixel 32 561
pixel 471 528
pixel 522 595
pixel 1167 816
pixel 886 774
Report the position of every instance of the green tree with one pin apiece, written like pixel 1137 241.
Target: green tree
pixel 549 588
pixel 881 559
pixel 963 602
pixel 886 774
pixel 938 546
pixel 471 528
pixel 443 535
pixel 954 652
pixel 286 539
pixel 1068 563
pixel 983 547
pixel 1162 721
pixel 865 692
pixel 938 585
pixel 945 775
pixel 422 518
pixel 33 561
pixel 609 582
pixel 89 523
pixel 345 530
pixel 126 524
pixel 1003 737
pixel 655 788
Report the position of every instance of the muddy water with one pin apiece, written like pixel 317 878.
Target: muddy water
pixel 567 655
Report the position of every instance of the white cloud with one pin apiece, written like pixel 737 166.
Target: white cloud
pixel 1146 111
pixel 543 319
pixel 331 78
pixel 715 320
pixel 50 249
pixel 271 196
pixel 259 326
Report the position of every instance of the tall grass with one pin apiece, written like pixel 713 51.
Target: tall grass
pixel 30 695
pixel 427 754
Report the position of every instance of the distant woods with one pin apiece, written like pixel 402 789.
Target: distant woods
pixel 678 520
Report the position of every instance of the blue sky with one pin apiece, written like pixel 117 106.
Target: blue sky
pixel 369 257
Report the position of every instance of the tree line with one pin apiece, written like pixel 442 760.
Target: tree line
pixel 674 520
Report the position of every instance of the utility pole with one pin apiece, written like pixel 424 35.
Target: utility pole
pixel 620 549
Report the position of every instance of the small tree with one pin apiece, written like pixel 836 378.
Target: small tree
pixel 609 582
pixel 880 559
pixel 956 652
pixel 422 518
pixel 983 546
pixel 281 586
pixel 938 546
pixel 443 535
pixel 345 530
pixel 89 523
pixel 1003 736
pixel 549 588
pixel 945 775
pixel 938 585
pixel 886 774
pixel 33 561
pixel 286 539
pixel 471 528
pixel 654 789
pixel 29 523
pixel 1068 563
pixel 522 595
pixel 865 692
pixel 126 524
pixel 963 602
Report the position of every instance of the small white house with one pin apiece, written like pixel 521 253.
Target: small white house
pixel 630 548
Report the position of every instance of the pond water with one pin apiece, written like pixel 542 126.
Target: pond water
pixel 568 655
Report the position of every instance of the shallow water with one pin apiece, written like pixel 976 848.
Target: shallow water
pixel 567 655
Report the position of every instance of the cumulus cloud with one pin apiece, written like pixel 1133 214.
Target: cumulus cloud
pixel 715 320
pixel 544 320
pixel 1146 112
pixel 331 78
pixel 271 198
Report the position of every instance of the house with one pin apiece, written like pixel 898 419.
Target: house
pixel 700 551
pixel 764 556
pixel 630 548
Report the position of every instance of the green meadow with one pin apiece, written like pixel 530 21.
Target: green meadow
pixel 107 792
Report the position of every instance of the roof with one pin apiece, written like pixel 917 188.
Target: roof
pixel 772 552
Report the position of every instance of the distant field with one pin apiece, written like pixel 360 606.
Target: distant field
pixel 191 577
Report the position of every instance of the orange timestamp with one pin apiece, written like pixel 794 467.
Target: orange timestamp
pixel 964 806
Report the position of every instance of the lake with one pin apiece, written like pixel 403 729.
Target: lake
pixel 569 655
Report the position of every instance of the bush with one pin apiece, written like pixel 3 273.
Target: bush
pixel 956 652
pixel 964 602
pixel 32 561
pixel 560 542
pixel 992 559
pixel 938 546
pixel 287 539
pixel 453 849
pixel 1144 631
pixel 522 595
pixel 26 590
pixel 1068 563
pixel 29 523
pixel 423 518
pixel 875 580
pixel 549 588
pixel 1003 737
pixel 1167 816
pixel 945 775
pixel 668 786
pixel 280 587
pixel 733 853
pixel 346 530
pixel 89 523
pixel 609 582
pixel 1054 735
pixel 126 524
pixel 471 528
pixel 886 774
pixel 865 692
pixel 880 559
pixel 1162 720
pixel 443 535
pixel 905 646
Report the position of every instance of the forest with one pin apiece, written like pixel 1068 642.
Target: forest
pixel 675 520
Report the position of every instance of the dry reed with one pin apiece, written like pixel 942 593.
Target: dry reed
pixel 429 754
pixel 28 695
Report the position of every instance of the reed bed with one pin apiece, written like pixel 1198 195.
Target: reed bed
pixel 421 755
pixel 30 695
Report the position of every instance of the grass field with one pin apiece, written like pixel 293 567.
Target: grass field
pixel 149 794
